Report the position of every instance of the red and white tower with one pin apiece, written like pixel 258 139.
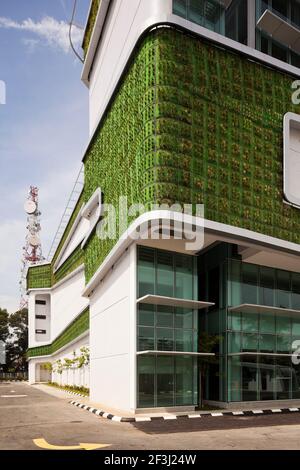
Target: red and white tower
pixel 32 251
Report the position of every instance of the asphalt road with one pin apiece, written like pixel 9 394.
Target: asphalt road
pixel 27 414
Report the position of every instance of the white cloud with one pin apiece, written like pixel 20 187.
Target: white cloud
pixel 49 30
pixel 30 44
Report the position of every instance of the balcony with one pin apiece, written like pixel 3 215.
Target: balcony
pixel 173 302
pixel 273 24
pixel 264 309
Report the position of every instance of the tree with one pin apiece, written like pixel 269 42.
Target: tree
pixel 18 340
pixel 207 344
pixel 4 330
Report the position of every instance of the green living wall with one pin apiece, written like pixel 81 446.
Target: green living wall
pixel 90 24
pixel 39 277
pixel 194 123
pixel 79 326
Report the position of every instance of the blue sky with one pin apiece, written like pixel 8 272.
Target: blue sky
pixel 43 125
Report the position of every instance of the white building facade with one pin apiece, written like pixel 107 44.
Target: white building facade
pixel 190 103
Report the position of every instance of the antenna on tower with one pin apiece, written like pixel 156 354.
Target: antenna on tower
pixel 32 251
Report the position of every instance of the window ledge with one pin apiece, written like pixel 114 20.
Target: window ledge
pixel 174 302
pixel 252 308
pixel 172 353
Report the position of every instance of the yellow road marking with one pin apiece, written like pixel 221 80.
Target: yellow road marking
pixel 43 444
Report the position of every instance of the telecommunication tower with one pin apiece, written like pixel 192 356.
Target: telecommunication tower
pixel 32 251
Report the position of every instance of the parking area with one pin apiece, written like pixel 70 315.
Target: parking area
pixel 33 419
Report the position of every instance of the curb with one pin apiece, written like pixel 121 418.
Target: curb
pixel 70 393
pixel 73 393
pixel 141 419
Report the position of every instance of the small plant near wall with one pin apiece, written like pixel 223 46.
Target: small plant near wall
pixel 77 362
pixel 47 366
pixel 84 358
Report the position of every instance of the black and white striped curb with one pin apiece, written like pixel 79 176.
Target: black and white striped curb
pixel 69 391
pixel 74 393
pixel 215 414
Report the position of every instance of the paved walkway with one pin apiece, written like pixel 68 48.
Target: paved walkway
pixel 28 413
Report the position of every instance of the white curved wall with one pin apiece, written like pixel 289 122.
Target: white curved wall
pixel 66 303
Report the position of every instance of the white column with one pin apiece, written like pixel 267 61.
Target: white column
pixel 133 326
pixel 251 23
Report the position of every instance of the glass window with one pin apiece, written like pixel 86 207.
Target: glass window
pixel 236 21
pixel 184 277
pixel 235 388
pixel 296 291
pixel 165 339
pixel 146 315
pixel 295 59
pixel 165 381
pixel 184 369
pixel 165 274
pixel 146 339
pixel 267 324
pixel 267 285
pixel 267 343
pixel 283 280
pixel 235 282
pixel 283 325
pixel 283 289
pixel 196 12
pixel 180 8
pixel 236 321
pixel 281 7
pixel 295 12
pixel 283 378
pixel 184 318
pixel 250 322
pixel 185 340
pixel 250 281
pixel 296 327
pixel 295 381
pixel 249 379
pixel 264 45
pixel 235 342
pixel 146 370
pixel 283 344
pixel 267 378
pixel 250 342
pixel 146 271
pixel 165 316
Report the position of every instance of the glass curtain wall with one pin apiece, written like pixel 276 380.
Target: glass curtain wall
pixel 289 10
pixel 166 380
pixel 262 376
pixel 211 14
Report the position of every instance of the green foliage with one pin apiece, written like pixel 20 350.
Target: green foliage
pixel 18 344
pixel 194 123
pixel 84 358
pixel 47 366
pixel 4 330
pixel 71 388
pixel 72 263
pixel 75 329
pixel 190 123
pixel 39 277
pixel 14 332
pixel 90 24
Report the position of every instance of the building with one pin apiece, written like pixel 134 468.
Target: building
pixel 191 102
